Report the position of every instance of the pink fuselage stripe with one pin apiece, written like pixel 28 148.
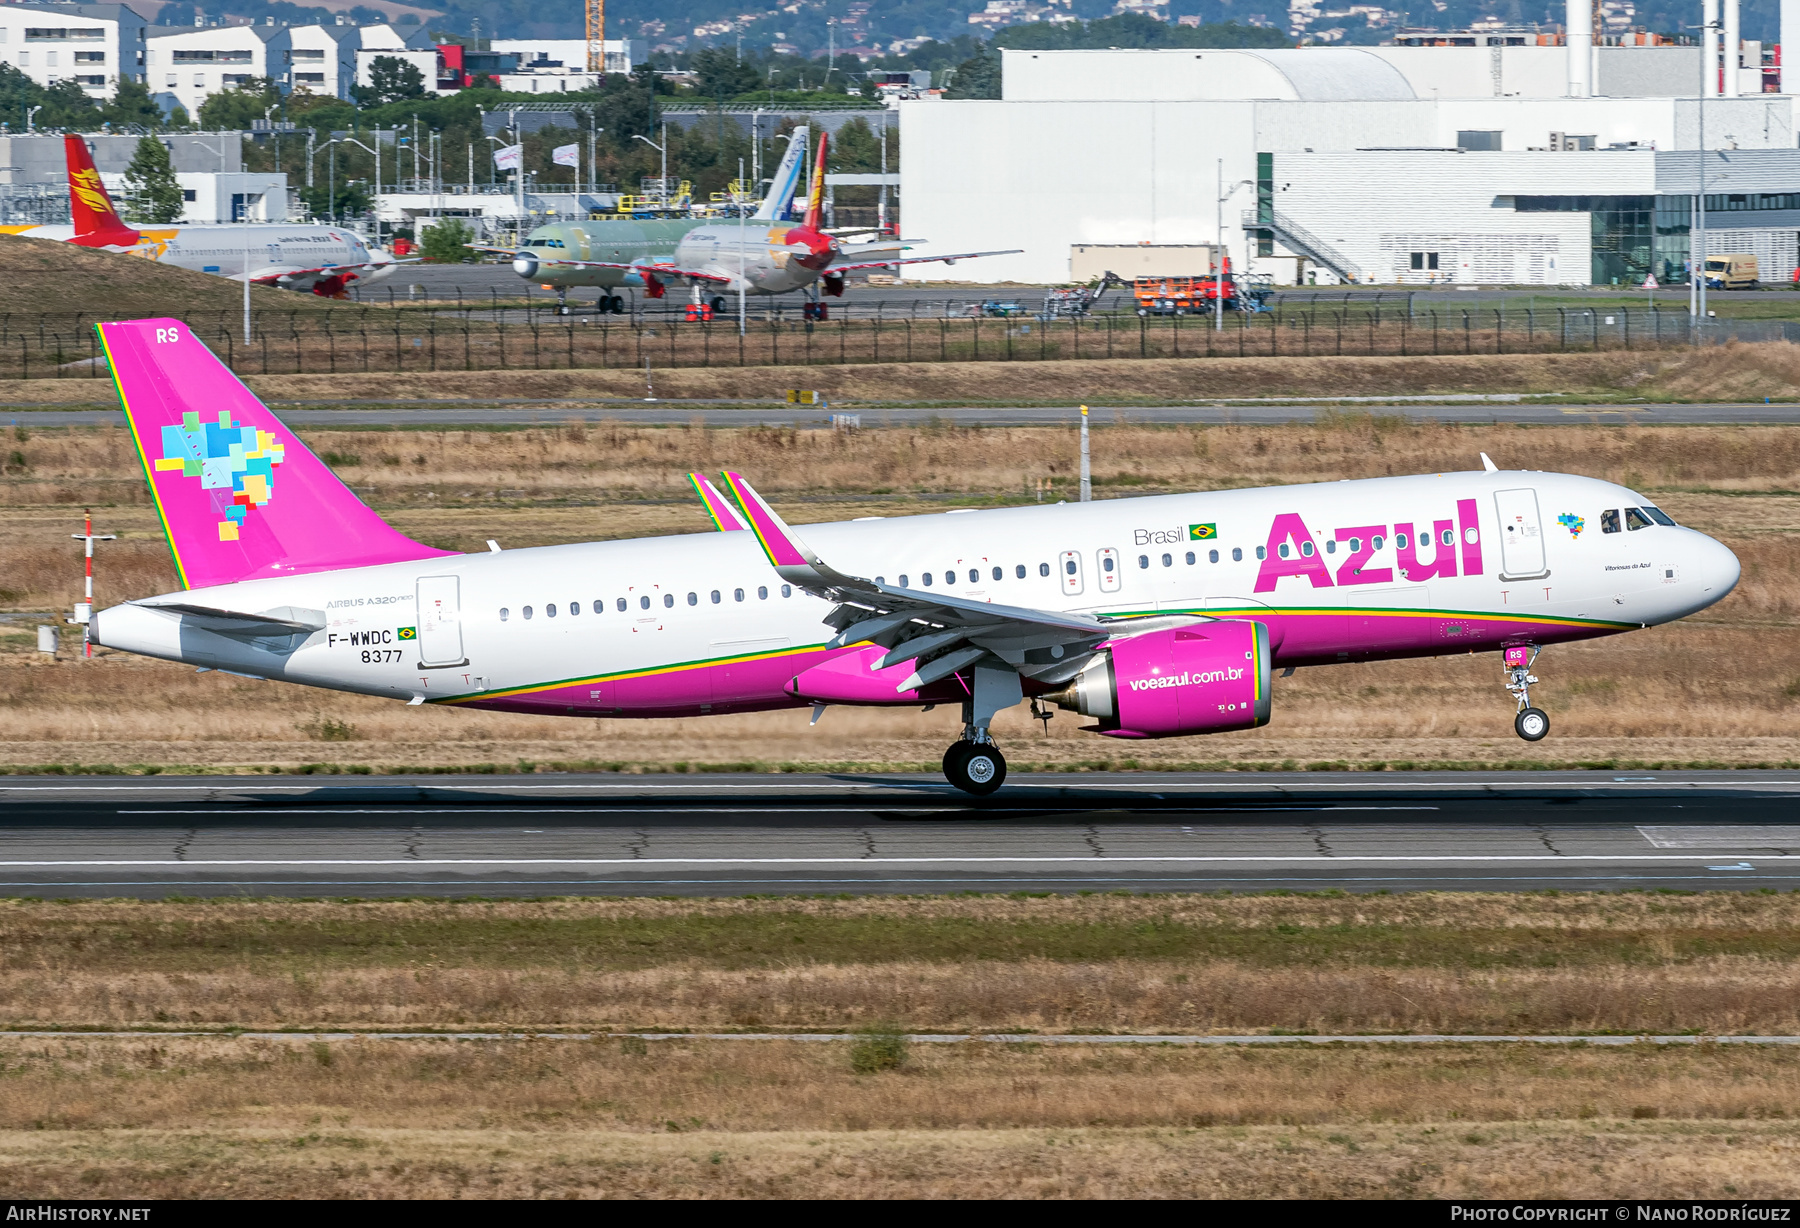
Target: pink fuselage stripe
pixel 1321 638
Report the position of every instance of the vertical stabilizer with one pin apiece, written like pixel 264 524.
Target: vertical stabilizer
pixel 815 192
pixel 785 180
pixel 97 223
pixel 241 498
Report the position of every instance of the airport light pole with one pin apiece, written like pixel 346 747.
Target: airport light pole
pixel 31 111
pixel 246 236
pixel 1219 269
pixel 662 149
pixel 350 140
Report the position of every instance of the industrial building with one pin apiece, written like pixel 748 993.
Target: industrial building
pixel 1512 165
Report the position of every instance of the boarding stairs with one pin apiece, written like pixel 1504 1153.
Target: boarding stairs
pixel 1303 242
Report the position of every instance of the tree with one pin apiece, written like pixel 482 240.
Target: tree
pixel 238 108
pixel 976 77
pixel 132 106
pixel 151 191
pixel 445 242
pixel 722 74
pixel 391 79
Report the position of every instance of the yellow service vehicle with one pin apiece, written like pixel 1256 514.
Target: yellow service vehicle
pixel 1731 271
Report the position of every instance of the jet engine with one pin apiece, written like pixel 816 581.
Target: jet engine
pixel 1207 678
pixel 525 264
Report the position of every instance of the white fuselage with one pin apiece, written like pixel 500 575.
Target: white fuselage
pixel 287 253
pixel 545 628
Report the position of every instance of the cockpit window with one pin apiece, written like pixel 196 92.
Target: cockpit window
pixel 1658 515
pixel 1635 519
pixel 1609 520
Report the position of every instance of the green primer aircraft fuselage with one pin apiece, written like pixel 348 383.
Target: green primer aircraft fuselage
pixel 627 242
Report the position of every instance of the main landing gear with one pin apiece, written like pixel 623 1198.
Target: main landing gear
pixel 1531 723
pixel 974 764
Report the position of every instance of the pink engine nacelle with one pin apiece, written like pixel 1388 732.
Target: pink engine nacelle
pixel 1207 678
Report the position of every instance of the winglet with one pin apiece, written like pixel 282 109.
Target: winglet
pixel 1487 465
pixel 717 505
pixel 777 540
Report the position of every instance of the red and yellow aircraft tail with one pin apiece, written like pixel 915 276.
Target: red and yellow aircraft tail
pixel 97 223
pixel 815 191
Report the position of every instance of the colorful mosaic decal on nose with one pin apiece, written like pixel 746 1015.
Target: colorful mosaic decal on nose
pixel 1573 523
pixel 236 462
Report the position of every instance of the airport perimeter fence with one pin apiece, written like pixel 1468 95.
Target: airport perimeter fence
pixel 331 342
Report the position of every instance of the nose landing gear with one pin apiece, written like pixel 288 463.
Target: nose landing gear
pixel 1531 724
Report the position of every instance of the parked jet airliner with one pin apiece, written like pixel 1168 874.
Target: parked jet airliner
pixel 1156 617
pixel 759 255
pixel 291 256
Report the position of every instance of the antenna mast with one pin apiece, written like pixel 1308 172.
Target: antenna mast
pixel 596 35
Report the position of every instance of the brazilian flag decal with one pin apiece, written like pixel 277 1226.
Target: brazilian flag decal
pixel 407 633
pixel 1202 532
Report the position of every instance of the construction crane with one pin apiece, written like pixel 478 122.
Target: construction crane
pixel 596 35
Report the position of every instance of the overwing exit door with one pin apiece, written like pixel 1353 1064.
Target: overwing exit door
pixel 1521 535
pixel 440 622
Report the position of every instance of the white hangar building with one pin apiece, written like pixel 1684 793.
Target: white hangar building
pixel 1526 165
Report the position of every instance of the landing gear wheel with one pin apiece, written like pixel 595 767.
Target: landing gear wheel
pixel 975 768
pixel 1532 724
pixel 616 305
pixel 718 304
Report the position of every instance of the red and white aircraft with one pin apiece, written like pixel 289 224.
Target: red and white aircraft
pixel 323 259
pixel 1160 616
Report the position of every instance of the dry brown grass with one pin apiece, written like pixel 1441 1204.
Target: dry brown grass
pixel 1674 695
pixel 1715 963
pixel 1736 371
pixel 223 1118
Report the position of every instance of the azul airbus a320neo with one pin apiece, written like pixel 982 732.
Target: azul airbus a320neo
pixel 1157 617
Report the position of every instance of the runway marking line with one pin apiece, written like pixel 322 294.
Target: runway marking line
pixel 868 861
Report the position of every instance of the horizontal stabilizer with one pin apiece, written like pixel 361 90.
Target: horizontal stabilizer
pixel 282 620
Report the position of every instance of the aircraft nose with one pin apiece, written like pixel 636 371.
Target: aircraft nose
pixel 1718 568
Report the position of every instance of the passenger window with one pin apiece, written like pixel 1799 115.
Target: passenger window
pixel 599 607
pixel 949 579
pixel 975 575
pixel 1106 563
pixel 1331 547
pixel 715 596
pixel 1143 562
pixel 574 607
pixel 1448 537
pixel 927 579
pixel 1237 553
pixel 693 599
pixel 668 601
pixel 1400 541
pixel 1262 552
pixel 1609 521
pixel 903 582
pixel 1635 520
pixel 1376 542
pixel 999 573
pixel 1168 560
pixel 762 592
pixel 1019 571
pixel 787 590
pixel 1282 550
pixel 1190 557
pixel 1070 566
pixel 505 614
pixel 1355 544
pixel 550 610
pixel 644 602
pixel 1044 568
pixel 622 605
pixel 1306 548
pixel 737 594
pixel 526 612
pixel 1212 556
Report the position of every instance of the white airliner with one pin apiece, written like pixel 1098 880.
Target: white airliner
pixel 292 256
pixel 1158 616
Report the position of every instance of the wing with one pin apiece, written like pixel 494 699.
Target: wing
pixel 882 264
pixel 499 251
pixel 717 505
pixel 940 634
pixel 269 277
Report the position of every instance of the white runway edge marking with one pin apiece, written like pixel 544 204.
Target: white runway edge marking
pixel 1723 837
pixel 929 1038
pixel 911 784
pixel 611 810
pixel 1090 859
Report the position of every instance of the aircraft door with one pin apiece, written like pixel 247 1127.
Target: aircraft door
pixel 1521 535
pixel 1111 573
pixel 440 622
pixel 1068 566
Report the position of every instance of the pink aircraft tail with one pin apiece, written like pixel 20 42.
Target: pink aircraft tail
pixel 241 498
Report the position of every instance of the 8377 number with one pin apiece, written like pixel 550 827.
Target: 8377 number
pixel 380 656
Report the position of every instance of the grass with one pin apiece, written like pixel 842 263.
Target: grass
pixel 1465 964
pixel 229 1115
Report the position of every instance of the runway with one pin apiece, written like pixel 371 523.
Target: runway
pixel 828 834
pixel 1471 410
